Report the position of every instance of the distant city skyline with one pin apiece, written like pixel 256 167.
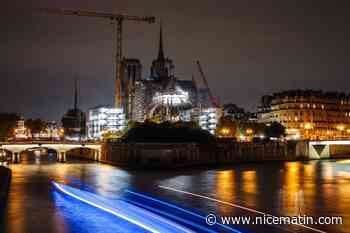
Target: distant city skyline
pixel 247 49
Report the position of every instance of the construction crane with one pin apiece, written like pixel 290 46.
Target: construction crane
pixel 214 101
pixel 119 19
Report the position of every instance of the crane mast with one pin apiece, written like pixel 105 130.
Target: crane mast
pixel 213 100
pixel 119 19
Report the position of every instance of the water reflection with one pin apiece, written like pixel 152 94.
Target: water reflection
pixel 249 187
pixel 315 188
pixel 292 196
pixel 225 187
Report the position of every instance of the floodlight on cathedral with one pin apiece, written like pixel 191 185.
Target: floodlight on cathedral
pixel 177 97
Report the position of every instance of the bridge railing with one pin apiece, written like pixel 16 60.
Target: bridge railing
pixel 38 142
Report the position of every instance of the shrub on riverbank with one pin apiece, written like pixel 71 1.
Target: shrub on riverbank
pixel 168 132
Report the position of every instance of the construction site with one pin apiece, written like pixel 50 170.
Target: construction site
pixel 158 95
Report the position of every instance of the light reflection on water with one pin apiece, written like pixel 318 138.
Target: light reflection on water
pixel 225 184
pixel 315 188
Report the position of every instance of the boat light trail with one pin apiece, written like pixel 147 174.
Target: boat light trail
pixel 182 210
pixel 195 225
pixel 146 220
pixel 233 205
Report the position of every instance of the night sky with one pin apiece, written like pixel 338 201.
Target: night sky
pixel 247 48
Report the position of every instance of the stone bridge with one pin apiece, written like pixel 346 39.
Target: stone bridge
pixel 61 148
pixel 324 149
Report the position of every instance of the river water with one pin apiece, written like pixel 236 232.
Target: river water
pixel 313 188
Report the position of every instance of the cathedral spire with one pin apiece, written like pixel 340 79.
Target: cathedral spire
pixel 160 49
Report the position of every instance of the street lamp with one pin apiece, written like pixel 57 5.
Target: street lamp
pixel 249 131
pixel 225 131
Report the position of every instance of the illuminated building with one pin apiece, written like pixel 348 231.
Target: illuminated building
pixel 51 131
pixel 308 114
pixel 208 119
pixel 105 119
pixel 21 132
pixel 162 96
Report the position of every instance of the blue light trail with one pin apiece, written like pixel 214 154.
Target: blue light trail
pixel 182 212
pixel 133 214
pixel 145 212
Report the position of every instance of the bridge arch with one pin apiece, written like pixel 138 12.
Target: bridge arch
pixel 61 148
pixel 5 153
pixel 84 152
pixel 38 151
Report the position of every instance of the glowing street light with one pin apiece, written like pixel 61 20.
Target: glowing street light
pixel 308 126
pixel 225 132
pixel 340 127
pixel 249 131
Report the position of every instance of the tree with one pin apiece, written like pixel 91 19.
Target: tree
pixel 188 124
pixel 8 122
pixel 35 125
pixel 275 130
pixel 167 132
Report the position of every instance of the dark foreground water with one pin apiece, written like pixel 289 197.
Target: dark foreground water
pixel 315 188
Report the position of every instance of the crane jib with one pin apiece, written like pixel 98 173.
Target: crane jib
pixel 111 16
pixel 119 39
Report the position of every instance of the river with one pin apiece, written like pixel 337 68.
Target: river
pixel 313 188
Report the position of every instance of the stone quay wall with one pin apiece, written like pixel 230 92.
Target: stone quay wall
pixel 81 153
pixel 191 154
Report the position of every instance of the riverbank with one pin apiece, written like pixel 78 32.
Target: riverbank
pixel 5 179
pixel 182 155
pixel 190 155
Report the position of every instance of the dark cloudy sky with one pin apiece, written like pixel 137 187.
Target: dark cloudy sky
pixel 247 48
